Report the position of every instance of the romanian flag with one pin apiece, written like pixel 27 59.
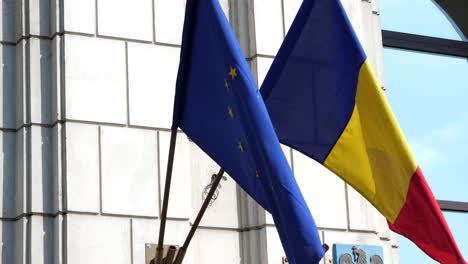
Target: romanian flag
pixel 326 102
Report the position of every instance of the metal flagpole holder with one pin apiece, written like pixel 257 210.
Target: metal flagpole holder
pixel 168 251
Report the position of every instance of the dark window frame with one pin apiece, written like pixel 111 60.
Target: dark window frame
pixel 453 206
pixel 414 42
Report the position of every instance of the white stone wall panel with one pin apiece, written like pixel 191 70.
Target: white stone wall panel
pixel 268 26
pixel 125 19
pixel 129 171
pixel 362 214
pixel 82 145
pixel 97 239
pixel 210 250
pixel 169 12
pixel 80 16
pixel 275 251
pixel 95 72
pixel 152 73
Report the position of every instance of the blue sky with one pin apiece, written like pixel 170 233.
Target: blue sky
pixel 429 96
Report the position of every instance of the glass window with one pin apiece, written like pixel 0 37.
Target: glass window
pixel 457 223
pixel 410 254
pixel 421 17
pixel 429 96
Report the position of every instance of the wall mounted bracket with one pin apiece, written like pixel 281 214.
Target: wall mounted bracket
pixel 169 253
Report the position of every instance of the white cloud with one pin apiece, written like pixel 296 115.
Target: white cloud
pixel 430 149
pixel 452 131
pixel 427 155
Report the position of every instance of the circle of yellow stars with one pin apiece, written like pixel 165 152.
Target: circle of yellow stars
pixel 233 74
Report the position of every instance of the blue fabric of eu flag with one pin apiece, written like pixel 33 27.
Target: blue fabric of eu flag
pixel 219 107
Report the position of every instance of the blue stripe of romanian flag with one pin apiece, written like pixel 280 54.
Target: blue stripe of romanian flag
pixel 335 68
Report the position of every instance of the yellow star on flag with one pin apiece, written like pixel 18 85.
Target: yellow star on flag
pixel 231 114
pixel 233 72
pixel 226 84
pixel 241 147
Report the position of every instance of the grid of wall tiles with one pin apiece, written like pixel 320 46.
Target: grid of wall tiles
pixel 87 91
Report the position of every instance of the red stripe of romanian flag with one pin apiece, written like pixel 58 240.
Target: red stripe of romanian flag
pixel 373 156
pixel 421 207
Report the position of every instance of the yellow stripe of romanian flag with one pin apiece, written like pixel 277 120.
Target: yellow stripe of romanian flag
pixel 372 154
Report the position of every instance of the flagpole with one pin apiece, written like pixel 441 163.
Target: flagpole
pixel 167 189
pixel 214 186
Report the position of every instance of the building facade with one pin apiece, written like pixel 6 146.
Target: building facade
pixel 87 92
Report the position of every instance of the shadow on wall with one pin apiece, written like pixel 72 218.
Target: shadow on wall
pixel 13 92
pixel 49 181
pixel 8 138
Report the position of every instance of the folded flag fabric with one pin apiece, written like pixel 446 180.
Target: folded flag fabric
pixel 219 107
pixel 325 101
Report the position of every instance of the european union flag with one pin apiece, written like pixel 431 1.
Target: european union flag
pixel 219 107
